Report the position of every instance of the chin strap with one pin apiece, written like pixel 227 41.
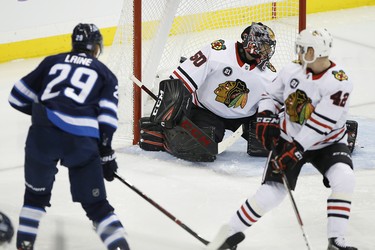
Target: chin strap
pixel 305 62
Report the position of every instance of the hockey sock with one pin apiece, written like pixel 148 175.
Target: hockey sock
pixel 245 217
pixel 267 197
pixel 338 212
pixel 341 180
pixel 28 226
pixel 112 233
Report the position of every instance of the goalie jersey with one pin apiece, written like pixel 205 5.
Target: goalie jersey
pixel 222 83
pixel 314 107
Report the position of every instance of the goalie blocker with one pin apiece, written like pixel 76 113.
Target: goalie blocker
pixel 169 128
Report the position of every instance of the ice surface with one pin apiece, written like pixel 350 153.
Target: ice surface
pixel 205 195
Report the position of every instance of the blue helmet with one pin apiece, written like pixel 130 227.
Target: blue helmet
pixel 6 229
pixel 85 37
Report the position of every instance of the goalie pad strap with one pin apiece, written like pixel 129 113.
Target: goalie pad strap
pixel 151 135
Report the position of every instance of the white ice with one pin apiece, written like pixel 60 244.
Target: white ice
pixel 204 196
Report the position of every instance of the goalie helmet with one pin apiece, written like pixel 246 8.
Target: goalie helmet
pixel 85 37
pixel 259 41
pixel 6 229
pixel 318 39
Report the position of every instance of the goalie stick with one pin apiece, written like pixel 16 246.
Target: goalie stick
pixel 221 146
pixel 169 215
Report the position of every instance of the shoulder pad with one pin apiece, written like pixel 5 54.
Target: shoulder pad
pixel 218 45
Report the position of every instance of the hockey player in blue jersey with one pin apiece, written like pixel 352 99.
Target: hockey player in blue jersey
pixel 72 99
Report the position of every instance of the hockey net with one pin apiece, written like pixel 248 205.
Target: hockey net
pixel 171 29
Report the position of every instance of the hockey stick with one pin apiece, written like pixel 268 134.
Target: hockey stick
pixel 169 215
pixel 221 146
pixel 295 208
pixel 294 204
pixel 229 141
pixel 143 87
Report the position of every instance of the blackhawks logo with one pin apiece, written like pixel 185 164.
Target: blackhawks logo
pixel 298 106
pixel 232 93
pixel 340 75
pixel 218 45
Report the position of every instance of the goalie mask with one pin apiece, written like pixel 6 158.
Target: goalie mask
pixel 85 37
pixel 259 41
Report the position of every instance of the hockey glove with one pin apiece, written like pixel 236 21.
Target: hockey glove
pixel 267 129
pixel 288 157
pixel 109 164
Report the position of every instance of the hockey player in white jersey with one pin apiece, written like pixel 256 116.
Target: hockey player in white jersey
pixel 312 98
pixel 225 81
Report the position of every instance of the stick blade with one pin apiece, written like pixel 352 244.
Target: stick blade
pixel 227 142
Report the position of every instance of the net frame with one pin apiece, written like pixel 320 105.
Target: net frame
pixel 139 32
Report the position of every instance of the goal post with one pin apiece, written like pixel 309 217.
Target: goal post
pixel 152 36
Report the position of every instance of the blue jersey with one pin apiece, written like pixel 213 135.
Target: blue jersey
pixel 79 92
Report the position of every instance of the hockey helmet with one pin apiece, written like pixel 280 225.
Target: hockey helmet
pixel 259 41
pixel 318 39
pixel 85 37
pixel 6 229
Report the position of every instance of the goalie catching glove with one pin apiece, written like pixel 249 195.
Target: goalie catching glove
pixel 267 129
pixel 108 161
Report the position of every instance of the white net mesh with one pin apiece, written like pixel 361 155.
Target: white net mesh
pixel 172 29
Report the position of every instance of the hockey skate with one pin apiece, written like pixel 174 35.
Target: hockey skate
pixel 232 241
pixel 222 241
pixel 26 245
pixel 333 244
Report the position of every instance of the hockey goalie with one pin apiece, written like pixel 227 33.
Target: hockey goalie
pixel 215 90
pixel 219 88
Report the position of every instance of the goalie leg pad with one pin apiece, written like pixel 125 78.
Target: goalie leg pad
pixel 183 145
pixel 151 135
pixel 352 130
pixel 254 146
pixel 174 101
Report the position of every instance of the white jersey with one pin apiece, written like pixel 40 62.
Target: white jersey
pixel 222 83
pixel 315 106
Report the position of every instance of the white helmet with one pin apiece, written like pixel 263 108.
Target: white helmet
pixel 318 39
